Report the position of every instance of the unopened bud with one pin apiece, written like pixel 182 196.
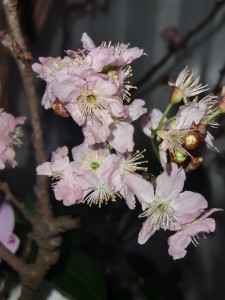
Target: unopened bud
pixel 59 110
pixel 177 95
pixel 192 140
pixel 193 164
pixel 179 157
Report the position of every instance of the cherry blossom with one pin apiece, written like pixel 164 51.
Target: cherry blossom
pixel 190 233
pixel 10 136
pixel 7 221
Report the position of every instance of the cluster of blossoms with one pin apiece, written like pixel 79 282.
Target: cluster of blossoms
pixel 91 86
pixel 10 136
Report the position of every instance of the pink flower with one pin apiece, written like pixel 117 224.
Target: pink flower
pixel 173 137
pixel 185 87
pixel 10 136
pixel 7 221
pixel 124 173
pixel 118 56
pixel 189 233
pixel 121 138
pixel 151 121
pixel 168 207
pixel 86 179
pixel 68 185
pixel 94 165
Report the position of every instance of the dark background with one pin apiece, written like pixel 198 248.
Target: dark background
pixel 108 237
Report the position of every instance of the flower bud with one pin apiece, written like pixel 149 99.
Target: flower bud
pixel 59 110
pixel 192 140
pixel 179 157
pixel 177 95
pixel 193 164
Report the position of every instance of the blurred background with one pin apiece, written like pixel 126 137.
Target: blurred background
pixel 102 260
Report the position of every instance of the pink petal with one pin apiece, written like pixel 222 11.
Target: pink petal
pixel 171 182
pixel 136 109
pixel 188 206
pixel 142 189
pixel 7 221
pixel 147 231
pixel 151 121
pixel 121 138
pixel 209 139
pixel 189 113
pixel 128 195
pixel 177 245
pixel 13 243
pixel 87 42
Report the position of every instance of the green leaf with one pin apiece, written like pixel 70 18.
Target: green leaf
pixel 80 278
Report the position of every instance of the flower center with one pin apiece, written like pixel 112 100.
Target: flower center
pixel 93 160
pixel 94 165
pixel 112 73
pixel 132 163
pixel 161 215
pixel 91 99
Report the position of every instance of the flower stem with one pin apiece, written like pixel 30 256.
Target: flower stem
pixel 168 121
pixel 155 147
pixel 164 115
pixel 210 118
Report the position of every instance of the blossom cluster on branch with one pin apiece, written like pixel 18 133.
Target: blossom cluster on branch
pixel 91 85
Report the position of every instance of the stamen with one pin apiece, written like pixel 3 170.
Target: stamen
pixel 99 195
pixel 132 163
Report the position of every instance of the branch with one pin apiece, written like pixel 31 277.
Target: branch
pixel 218 85
pixel 182 43
pixel 65 223
pixel 17 46
pixel 11 198
pixel 15 262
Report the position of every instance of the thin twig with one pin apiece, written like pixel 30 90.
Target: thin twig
pixel 182 43
pixel 11 198
pixel 218 85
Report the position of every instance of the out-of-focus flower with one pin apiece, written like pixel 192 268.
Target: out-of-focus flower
pixel 171 35
pixel 185 87
pixel 7 222
pixel 190 233
pixel 167 207
pixel 10 136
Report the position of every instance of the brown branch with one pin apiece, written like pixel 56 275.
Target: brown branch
pixel 16 44
pixel 46 228
pixel 15 262
pixel 218 86
pixel 11 198
pixel 182 43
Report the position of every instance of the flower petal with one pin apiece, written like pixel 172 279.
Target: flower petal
pixel 171 182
